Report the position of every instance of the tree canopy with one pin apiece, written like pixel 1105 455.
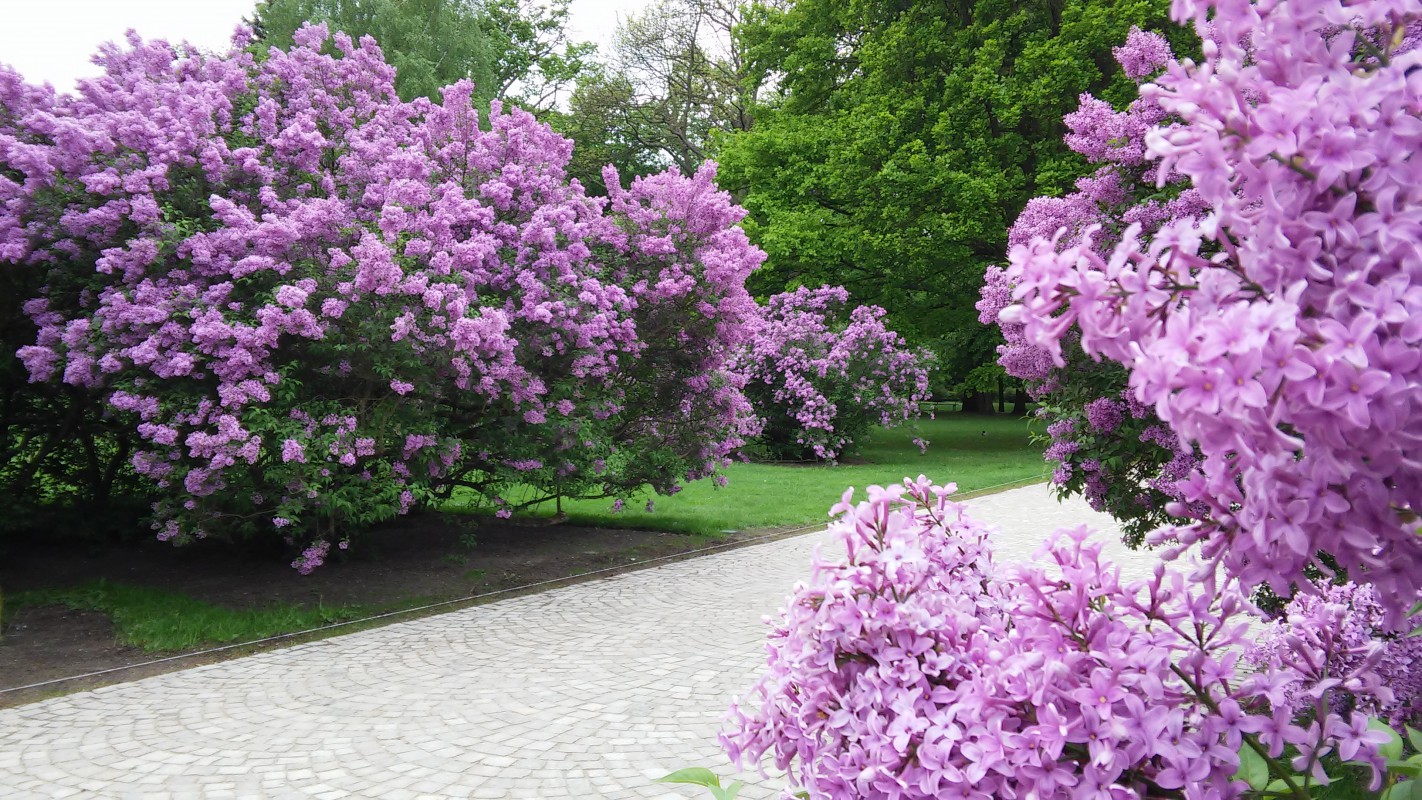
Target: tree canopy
pixel 897 142
pixel 513 50
pixel 675 76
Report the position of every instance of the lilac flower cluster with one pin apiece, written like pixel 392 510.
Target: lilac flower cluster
pixel 294 287
pixel 915 667
pixel 1348 621
pixel 819 377
pixel 1278 334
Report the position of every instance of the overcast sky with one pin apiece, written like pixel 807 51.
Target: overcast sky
pixel 53 40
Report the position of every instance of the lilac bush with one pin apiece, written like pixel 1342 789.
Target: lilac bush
pixel 1102 442
pixel 820 374
pixel 1261 305
pixel 315 306
pixel 911 665
pixel 1277 334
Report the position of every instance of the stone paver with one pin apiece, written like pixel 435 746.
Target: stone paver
pixel 589 691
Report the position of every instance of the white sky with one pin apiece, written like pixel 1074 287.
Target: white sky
pixel 53 40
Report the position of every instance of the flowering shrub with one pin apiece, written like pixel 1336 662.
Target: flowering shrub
pixel 1278 333
pixel 1269 319
pixel 819 377
pixel 916 667
pixel 314 306
pixel 1105 444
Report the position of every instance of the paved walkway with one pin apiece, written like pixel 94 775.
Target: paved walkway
pixel 590 691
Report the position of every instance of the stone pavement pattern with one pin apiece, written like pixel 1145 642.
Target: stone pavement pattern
pixel 589 691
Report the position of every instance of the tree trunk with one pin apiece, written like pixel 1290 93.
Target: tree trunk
pixel 977 403
pixel 1019 402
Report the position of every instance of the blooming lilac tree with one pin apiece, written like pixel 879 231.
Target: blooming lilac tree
pixel 314 306
pixel 820 374
pixel 1278 334
pixel 1104 443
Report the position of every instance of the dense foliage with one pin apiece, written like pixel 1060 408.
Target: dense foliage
pixel 894 144
pixel 512 50
pixel 308 306
pixel 820 374
pixel 431 43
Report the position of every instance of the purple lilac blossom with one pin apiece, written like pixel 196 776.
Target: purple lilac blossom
pixel 820 378
pixel 911 665
pixel 1280 333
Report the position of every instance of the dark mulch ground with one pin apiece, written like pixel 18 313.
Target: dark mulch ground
pixel 425 558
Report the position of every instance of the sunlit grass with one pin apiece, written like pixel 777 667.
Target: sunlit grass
pixel 974 452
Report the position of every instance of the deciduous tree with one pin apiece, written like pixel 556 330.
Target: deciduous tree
pixel 901 139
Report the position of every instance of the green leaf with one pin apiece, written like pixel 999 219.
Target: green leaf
pixel 1392 748
pixel 1415 737
pixel 728 793
pixel 1253 769
pixel 698 776
pixel 1405 790
pixel 1408 767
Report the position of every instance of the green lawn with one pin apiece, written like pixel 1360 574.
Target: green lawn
pixel 157 620
pixel 975 452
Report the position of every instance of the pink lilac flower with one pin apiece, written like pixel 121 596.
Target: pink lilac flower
pixel 820 377
pixel 911 665
pixel 1274 327
pixel 341 246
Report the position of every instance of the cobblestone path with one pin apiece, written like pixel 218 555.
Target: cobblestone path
pixel 589 691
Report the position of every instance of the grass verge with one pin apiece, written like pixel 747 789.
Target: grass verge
pixel 974 452
pixel 157 620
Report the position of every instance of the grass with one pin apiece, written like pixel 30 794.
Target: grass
pixel 974 452
pixel 157 620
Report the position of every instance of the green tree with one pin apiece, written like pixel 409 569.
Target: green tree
pixel 603 122
pixel 535 63
pixel 515 50
pixel 900 140
pixel 675 76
